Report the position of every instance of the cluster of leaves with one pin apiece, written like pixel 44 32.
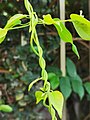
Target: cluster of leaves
pixel 70 83
pixel 82 26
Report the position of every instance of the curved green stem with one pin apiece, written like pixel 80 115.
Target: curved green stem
pixel 35 81
pixel 22 26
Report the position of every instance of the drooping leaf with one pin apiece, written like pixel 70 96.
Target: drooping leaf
pixel 63 32
pixel 77 86
pixel 54 80
pixel 87 87
pixel 39 96
pixel 74 49
pixel 56 100
pixel 81 25
pixel 65 87
pixel 71 68
pixel 3 33
pixel 5 108
pixel 14 20
pixel 48 19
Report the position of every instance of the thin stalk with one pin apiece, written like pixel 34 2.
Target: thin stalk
pixel 18 27
pixel 35 81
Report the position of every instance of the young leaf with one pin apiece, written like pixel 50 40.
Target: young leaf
pixel 77 86
pixel 74 49
pixel 5 108
pixel 54 80
pixel 3 33
pixel 14 20
pixel 39 96
pixel 81 25
pixel 56 100
pixel 65 87
pixel 63 31
pixel 48 19
pixel 71 68
pixel 87 87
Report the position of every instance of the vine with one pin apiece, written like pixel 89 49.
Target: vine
pixel 82 26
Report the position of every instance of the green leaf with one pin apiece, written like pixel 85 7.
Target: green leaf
pixel 52 112
pixel 54 69
pixel 3 33
pixel 77 86
pixel 81 25
pixel 87 87
pixel 48 19
pixel 22 103
pixel 39 96
pixel 63 32
pixel 5 108
pixel 19 96
pixel 71 68
pixel 14 20
pixel 74 49
pixel 65 87
pixel 54 80
pixel 56 99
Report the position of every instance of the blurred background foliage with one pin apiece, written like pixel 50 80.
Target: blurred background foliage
pixel 19 65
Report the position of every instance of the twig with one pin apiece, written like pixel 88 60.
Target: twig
pixel 87 117
pixel 84 44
